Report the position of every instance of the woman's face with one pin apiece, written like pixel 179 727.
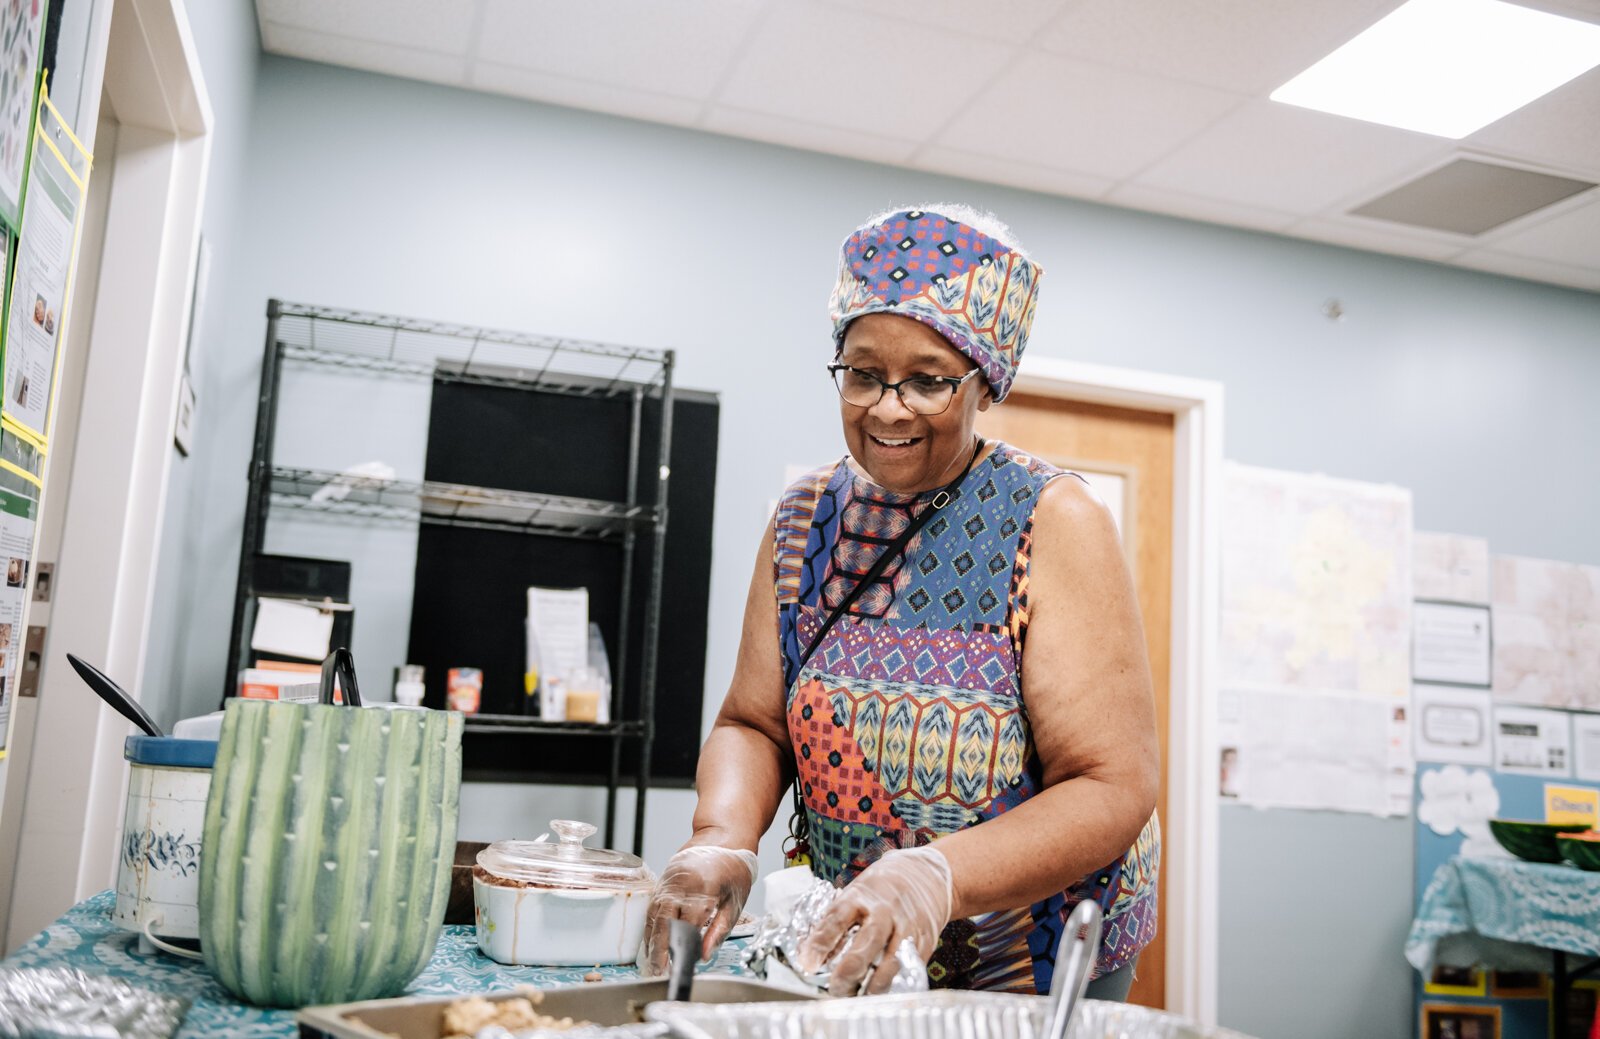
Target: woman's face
pixel 900 449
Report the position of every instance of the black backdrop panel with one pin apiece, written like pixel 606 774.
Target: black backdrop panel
pixel 470 599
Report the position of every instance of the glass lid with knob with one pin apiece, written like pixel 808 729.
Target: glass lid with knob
pixel 564 862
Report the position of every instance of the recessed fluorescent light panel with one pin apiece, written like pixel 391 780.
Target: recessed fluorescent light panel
pixel 1447 67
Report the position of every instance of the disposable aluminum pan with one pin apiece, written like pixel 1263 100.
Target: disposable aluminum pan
pixel 944 1014
pixel 62 1001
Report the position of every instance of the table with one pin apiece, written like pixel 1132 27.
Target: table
pixel 86 938
pixel 1506 914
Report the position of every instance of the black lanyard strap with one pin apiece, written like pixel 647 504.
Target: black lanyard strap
pixel 945 496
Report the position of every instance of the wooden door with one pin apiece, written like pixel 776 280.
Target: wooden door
pixel 1128 453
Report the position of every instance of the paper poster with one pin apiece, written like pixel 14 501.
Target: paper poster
pixel 21 32
pixel 1315 750
pixel 1572 804
pixel 1586 746
pixel 1316 584
pixel 45 254
pixel 1449 567
pixel 18 515
pixel 1450 643
pixel 1452 725
pixel 1531 742
pixel 1546 633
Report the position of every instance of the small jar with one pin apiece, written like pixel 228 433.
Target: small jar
pixel 558 903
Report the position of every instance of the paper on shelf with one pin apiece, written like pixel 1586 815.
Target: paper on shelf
pixel 291 629
pixel 560 620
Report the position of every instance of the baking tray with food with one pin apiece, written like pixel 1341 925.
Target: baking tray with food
pixel 606 1004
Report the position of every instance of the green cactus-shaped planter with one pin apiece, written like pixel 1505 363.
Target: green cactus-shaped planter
pixel 325 863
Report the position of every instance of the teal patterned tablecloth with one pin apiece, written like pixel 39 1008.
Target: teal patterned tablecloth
pixel 1505 914
pixel 85 938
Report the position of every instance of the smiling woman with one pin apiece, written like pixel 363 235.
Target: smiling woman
pixel 942 653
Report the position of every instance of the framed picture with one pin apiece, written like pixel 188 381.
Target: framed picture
pixel 1456 981
pixel 1460 1021
pixel 1518 984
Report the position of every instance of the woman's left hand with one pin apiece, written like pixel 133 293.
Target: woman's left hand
pixel 905 894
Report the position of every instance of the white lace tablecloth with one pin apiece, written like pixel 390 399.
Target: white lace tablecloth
pixel 1505 914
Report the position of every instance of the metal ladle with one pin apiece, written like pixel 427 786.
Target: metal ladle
pixel 1075 956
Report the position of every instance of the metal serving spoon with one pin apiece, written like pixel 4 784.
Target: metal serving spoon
pixel 112 693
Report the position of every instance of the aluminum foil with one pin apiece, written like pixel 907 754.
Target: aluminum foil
pixel 777 941
pixel 62 1003
pixel 944 1014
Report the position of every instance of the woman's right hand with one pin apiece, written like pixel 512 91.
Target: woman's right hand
pixel 705 884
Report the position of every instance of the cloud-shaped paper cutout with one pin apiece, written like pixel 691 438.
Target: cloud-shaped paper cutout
pixel 1455 799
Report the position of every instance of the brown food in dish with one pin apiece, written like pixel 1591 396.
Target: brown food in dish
pixel 464 1018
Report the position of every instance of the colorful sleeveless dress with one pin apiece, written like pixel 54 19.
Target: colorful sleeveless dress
pixel 909 723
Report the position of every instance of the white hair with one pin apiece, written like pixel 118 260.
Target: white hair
pixel 979 220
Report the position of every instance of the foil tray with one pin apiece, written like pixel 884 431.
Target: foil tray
pixel 61 1001
pixel 944 1014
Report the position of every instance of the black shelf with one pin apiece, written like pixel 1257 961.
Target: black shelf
pixel 522 724
pixel 353 343
pixel 490 508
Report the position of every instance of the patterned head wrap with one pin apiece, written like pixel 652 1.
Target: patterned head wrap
pixel 966 285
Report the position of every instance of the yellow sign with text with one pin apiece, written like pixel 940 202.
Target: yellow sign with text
pixel 1572 804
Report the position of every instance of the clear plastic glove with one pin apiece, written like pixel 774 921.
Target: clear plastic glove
pixel 907 894
pixel 704 884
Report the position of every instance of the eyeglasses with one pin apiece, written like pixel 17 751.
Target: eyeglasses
pixel 923 394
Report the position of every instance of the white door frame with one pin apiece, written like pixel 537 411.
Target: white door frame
pixel 106 480
pixel 1189 917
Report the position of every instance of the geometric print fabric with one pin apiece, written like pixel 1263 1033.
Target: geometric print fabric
pixel 909 721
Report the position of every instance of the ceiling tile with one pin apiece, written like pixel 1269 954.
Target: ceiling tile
pixel 573 93
pixel 1248 46
pixel 992 169
pixel 363 54
pixel 1072 115
pixel 1192 207
pixel 1293 159
pixel 759 126
pixel 681 49
pixel 1357 234
pixel 838 67
pixel 1533 270
pixel 444 26
pixel 1569 237
pixel 1561 129
pixel 1008 21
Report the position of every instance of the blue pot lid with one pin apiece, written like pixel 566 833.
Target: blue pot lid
pixel 170 751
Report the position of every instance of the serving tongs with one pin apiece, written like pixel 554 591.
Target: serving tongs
pixel 1075 956
pixel 683 951
pixel 341 665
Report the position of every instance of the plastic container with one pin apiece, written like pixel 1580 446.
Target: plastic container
pixel 408 685
pixel 559 903
pixel 464 689
pixel 158 865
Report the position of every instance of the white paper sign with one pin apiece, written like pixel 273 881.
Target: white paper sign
pixel 292 630
pixel 559 619
pixel 1452 725
pixel 1586 746
pixel 1532 742
pixel 1450 643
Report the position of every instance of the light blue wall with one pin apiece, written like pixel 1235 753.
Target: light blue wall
pixel 373 193
pixel 229 48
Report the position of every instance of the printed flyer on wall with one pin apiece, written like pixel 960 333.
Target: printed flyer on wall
pixel 39 289
pixel 18 516
pixel 21 33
